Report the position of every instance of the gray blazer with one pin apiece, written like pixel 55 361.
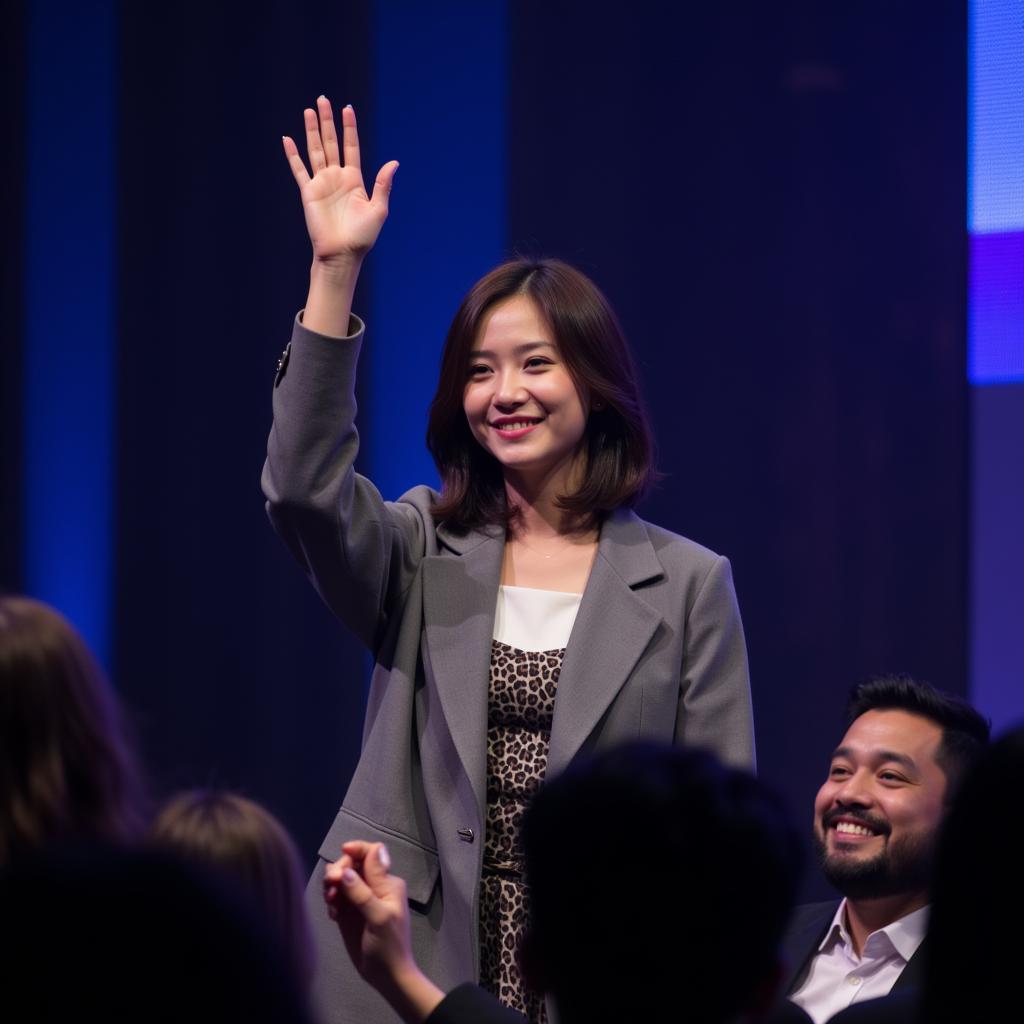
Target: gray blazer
pixel 657 651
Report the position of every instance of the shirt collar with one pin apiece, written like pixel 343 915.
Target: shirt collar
pixel 905 934
pixel 908 932
pixel 836 930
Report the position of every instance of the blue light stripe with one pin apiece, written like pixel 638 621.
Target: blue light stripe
pixel 995 156
pixel 996 354
pixel 440 109
pixel 995 320
pixel 995 121
pixel 69 311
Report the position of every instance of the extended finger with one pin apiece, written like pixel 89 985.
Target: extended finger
pixel 350 138
pixel 328 135
pixel 291 151
pixel 382 186
pixel 314 147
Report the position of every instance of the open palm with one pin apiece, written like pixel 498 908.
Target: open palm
pixel 342 220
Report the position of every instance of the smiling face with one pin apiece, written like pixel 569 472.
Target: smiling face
pixel 520 400
pixel 877 815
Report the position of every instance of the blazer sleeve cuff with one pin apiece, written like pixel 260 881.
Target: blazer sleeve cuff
pixel 355 328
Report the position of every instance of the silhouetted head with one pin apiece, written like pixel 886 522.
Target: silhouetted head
pixel 650 869
pixel 107 934
pixel 249 849
pixel 977 899
pixel 68 769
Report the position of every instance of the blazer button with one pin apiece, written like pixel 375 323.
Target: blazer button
pixel 466 835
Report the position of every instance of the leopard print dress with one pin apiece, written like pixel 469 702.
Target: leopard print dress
pixel 521 706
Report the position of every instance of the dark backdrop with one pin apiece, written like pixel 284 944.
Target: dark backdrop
pixel 773 199
pixel 12 240
pixel 239 674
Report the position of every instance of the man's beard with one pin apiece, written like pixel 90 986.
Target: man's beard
pixel 903 865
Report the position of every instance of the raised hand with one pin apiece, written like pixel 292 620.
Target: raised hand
pixel 370 907
pixel 342 220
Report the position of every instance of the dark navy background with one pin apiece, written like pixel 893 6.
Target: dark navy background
pixel 772 196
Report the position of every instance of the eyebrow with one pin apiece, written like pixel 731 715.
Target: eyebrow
pixel 880 757
pixel 527 346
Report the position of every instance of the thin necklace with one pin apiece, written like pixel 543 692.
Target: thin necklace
pixel 562 544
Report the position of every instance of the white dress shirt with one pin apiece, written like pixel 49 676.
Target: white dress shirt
pixel 838 977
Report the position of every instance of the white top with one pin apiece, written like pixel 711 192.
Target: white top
pixel 535 620
pixel 838 977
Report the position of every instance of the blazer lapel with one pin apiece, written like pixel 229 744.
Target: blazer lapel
pixel 612 629
pixel 459 599
pixel 801 940
pixel 912 976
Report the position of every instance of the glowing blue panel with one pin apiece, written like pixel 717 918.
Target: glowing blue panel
pixel 440 109
pixel 996 353
pixel 69 311
pixel 995 337
pixel 995 319
pixel 995 131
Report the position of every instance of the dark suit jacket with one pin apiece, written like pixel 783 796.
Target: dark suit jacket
pixel 469 1004
pixel 657 652
pixel 898 1007
pixel 807 929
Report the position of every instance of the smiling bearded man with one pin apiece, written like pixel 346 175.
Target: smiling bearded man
pixel 876 822
pixel 876 817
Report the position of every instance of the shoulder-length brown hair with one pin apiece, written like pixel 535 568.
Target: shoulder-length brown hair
pixel 68 768
pixel 619 445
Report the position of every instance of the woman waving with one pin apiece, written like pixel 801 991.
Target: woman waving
pixel 519 618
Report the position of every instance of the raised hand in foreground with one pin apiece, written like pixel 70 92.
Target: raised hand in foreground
pixel 372 912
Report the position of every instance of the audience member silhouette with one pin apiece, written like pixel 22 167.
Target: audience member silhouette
pixel 977 897
pixel 115 934
pixel 671 906
pixel 68 769
pixel 249 849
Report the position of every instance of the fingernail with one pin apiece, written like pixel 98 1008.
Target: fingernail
pixel 348 876
pixel 348 106
pixel 321 97
pixel 384 857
